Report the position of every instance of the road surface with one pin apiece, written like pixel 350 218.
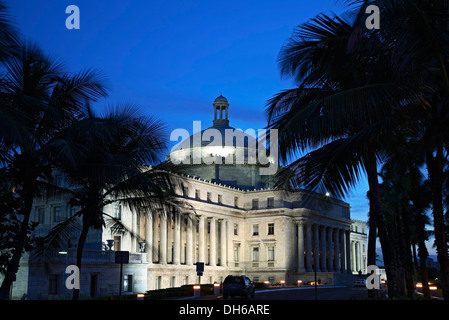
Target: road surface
pixel 303 293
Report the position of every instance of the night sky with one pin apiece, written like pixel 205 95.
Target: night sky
pixel 173 58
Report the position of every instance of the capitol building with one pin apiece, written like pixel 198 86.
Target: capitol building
pixel 239 224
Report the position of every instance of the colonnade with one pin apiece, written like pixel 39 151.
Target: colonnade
pixel 358 256
pixel 324 246
pixel 176 238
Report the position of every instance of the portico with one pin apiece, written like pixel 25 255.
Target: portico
pixel 323 245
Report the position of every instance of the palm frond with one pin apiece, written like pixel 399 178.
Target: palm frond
pixel 60 237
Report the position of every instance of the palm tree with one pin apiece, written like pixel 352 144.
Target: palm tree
pixel 9 35
pixel 38 99
pixel 114 151
pixel 342 110
pixel 405 65
pixel 421 47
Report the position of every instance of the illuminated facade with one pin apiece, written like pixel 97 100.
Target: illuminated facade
pixel 240 226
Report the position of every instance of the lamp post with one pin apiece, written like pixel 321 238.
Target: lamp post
pixel 66 253
pixel 316 288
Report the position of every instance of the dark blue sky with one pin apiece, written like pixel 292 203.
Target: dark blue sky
pixel 173 58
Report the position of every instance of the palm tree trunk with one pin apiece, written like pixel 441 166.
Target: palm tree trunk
pixel 407 254
pixel 21 238
pixel 377 213
pixel 415 261
pixel 435 171
pixel 79 255
pixel 422 253
pixel 372 237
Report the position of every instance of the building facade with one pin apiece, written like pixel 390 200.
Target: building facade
pixel 240 225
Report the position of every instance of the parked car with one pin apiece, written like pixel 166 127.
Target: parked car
pixel 238 286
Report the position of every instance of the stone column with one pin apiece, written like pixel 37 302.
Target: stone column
pixel 342 250
pixel 177 238
pixel 300 227
pixel 323 249
pixel 134 241
pixel 163 245
pixel 189 242
pixel 213 243
pixel 223 248
pixel 336 251
pixel 149 236
pixel 156 238
pixel 309 247
pixel 201 240
pixel 230 242
pixel 316 248
pixel 330 262
pixel 348 252
pixel 169 238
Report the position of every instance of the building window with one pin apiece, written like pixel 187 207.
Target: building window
pixel 93 284
pixel 236 253
pixel 271 229
pixel 127 283
pixel 57 214
pixel 256 254
pixel 209 197
pixel 220 200
pixel 255 204
pixel 117 244
pixel 270 253
pixel 236 229
pixel 255 229
pixel 236 202
pixel 270 203
pixel 173 281
pixel 41 215
pixel 118 212
pixel 53 281
pixel 197 194
pixel 185 192
pixel 73 210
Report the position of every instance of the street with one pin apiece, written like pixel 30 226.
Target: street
pixel 308 293
pixel 303 293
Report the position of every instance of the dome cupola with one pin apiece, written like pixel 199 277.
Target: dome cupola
pixel 221 106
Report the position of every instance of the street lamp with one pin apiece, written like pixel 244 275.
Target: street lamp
pixel 66 254
pixel 316 289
